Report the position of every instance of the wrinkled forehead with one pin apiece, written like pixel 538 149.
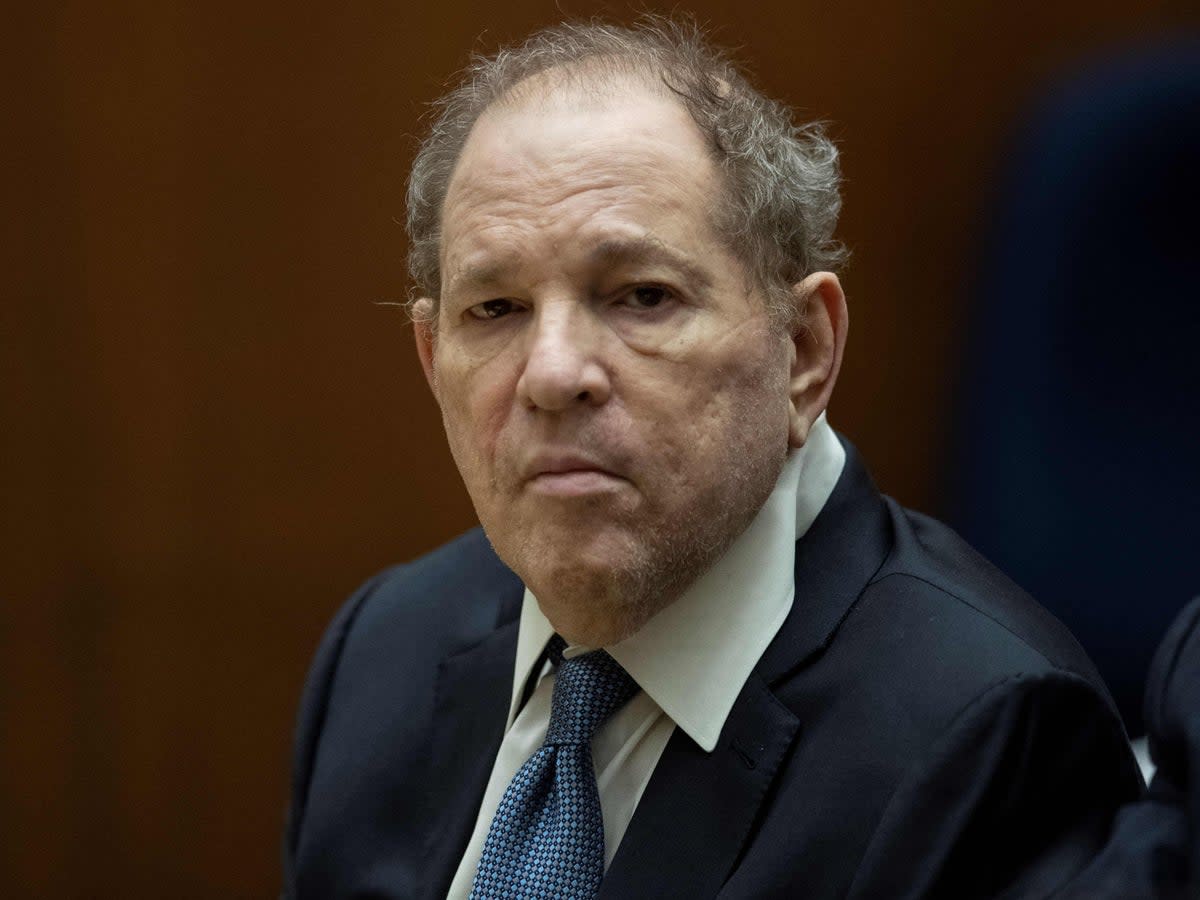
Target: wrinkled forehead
pixel 583 156
pixel 578 111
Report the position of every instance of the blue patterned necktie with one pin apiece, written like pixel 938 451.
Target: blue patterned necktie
pixel 546 841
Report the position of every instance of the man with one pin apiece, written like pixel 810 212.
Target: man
pixel 696 652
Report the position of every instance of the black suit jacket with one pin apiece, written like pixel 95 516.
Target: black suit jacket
pixel 918 728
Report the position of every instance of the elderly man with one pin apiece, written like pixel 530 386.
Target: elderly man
pixel 692 651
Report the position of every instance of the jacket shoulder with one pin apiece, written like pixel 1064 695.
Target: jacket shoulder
pixel 374 667
pixel 947 712
pixel 934 629
pixel 451 596
pixel 410 616
pixel 970 601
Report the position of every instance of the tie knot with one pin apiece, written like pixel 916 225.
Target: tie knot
pixel 587 690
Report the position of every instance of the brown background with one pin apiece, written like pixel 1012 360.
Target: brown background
pixel 212 432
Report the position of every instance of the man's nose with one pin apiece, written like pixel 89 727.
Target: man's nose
pixel 563 366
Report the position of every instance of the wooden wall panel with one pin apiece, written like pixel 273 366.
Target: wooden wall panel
pixel 212 431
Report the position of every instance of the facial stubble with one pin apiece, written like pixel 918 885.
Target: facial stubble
pixel 662 552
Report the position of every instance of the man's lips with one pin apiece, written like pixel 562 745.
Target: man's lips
pixel 559 463
pixel 569 474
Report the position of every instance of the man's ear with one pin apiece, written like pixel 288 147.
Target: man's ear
pixel 423 314
pixel 817 345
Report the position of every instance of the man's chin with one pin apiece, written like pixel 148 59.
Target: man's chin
pixel 589 547
pixel 598 620
pixel 577 572
pixel 592 587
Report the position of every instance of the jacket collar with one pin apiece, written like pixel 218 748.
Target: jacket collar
pixel 847 544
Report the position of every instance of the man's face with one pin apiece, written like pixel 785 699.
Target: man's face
pixel 613 391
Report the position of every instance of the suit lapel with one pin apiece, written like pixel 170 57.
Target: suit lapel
pixel 471 704
pixel 698 810
pixel 693 819
pixel 835 560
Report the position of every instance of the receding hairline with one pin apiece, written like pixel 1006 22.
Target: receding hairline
pixel 600 77
pixel 542 89
pixel 557 85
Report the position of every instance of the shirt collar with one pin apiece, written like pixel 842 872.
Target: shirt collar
pixel 693 657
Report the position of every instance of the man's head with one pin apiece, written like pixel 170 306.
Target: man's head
pixel 620 362
pixel 780 200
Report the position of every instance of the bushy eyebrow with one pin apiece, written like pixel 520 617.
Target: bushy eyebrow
pixel 481 275
pixel 612 251
pixel 648 249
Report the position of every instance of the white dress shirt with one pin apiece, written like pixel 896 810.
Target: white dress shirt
pixel 690 660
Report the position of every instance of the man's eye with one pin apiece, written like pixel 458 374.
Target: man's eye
pixel 492 309
pixel 647 296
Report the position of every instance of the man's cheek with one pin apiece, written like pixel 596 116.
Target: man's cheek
pixel 466 411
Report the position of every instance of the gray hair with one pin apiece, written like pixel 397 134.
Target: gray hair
pixel 782 179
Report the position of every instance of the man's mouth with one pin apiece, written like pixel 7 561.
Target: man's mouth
pixel 569 474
